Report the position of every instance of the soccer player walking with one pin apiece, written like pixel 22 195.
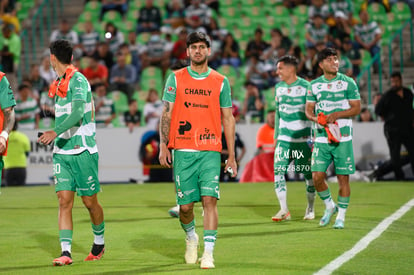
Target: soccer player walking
pixel 292 132
pixel 75 153
pixel 331 103
pixel 197 102
pixel 7 116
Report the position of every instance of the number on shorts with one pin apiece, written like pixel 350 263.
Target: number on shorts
pixel 56 168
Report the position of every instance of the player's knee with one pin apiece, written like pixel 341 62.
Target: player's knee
pixel 186 209
pixel 65 204
pixel 318 178
pixel 89 202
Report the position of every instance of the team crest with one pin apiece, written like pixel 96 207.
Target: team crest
pixel 289 90
pixel 329 86
pixel 339 85
pixel 170 90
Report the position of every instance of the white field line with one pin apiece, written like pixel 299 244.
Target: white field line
pixel 365 241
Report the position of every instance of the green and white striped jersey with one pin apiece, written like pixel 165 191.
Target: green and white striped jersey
pixel 27 107
pixel 333 96
pixel 367 32
pixel 290 108
pixel 80 137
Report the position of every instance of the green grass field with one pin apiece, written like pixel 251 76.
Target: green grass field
pixel 142 239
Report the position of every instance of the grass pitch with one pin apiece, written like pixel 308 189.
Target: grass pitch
pixel 142 239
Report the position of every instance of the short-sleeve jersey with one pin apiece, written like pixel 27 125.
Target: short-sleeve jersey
pixel 6 100
pixel 80 137
pixel 27 108
pixel 333 96
pixel 196 116
pixel 290 102
pixel 367 32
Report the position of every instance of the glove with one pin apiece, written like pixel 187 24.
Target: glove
pixel 322 119
pixel 333 131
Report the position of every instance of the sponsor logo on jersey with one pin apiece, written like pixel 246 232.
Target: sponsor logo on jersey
pixel 180 194
pixel 189 91
pixel 184 127
pixel 170 90
pixel 329 86
pixel 195 105
pixel 207 135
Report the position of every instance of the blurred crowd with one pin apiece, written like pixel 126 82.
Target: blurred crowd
pixel 126 49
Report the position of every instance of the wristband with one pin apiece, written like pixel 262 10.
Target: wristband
pixel 5 135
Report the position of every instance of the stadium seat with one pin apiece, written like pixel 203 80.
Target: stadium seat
pixel 301 13
pixel 151 77
pixel 93 7
pixel 401 11
pixel 88 16
pixel 112 16
pixel 377 12
pixel 120 101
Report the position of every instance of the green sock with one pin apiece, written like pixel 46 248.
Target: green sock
pixel 210 237
pixel 189 229
pixel 65 238
pixel 98 232
pixel 327 199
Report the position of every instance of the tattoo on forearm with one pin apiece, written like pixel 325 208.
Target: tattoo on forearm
pixel 9 118
pixel 165 124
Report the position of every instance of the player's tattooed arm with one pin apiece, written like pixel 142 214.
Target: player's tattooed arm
pixel 9 119
pixel 165 122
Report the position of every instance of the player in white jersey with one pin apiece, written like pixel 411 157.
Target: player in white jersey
pixel 331 103
pixel 292 133
pixel 75 154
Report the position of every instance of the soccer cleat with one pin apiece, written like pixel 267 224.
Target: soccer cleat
pixel 327 216
pixel 281 216
pixel 174 211
pixel 309 214
pixel 339 224
pixel 207 261
pixel 64 259
pixel 96 253
pixel 191 250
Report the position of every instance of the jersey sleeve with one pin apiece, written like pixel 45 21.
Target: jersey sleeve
pixel 170 89
pixel 352 91
pixel 225 94
pixel 310 96
pixel 79 87
pixel 6 94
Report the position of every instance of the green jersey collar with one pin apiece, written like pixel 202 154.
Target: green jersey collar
pixel 194 74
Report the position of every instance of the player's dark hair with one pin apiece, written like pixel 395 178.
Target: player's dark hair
pixel 325 53
pixel 196 37
pixel 62 49
pixel 289 60
pixel 179 64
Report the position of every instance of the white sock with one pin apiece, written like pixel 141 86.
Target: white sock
pixel 209 247
pixel 310 195
pixel 281 191
pixel 329 203
pixel 99 239
pixel 341 214
pixel 66 246
pixel 191 235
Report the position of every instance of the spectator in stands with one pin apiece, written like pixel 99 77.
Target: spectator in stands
pixel 10 50
pixel 15 162
pixel 175 14
pixel 339 31
pixel 95 72
pixel 120 6
pixel 353 54
pixel 214 5
pixel 256 72
pixel 37 82
pixel 345 65
pixel 104 54
pixel 152 109
pixel 179 50
pixel 198 15
pixel 265 142
pixel 345 6
pixel 285 42
pixel 64 32
pixel 253 105
pixel 367 35
pixel 317 31
pixel 27 110
pixel 397 110
pixel 123 76
pixel 135 50
pixel 297 52
pixel 230 51
pixel 47 109
pixel 88 39
pixel 311 63
pixel 46 71
pixel 149 18
pixel 318 7
pixel 113 36
pixel 155 53
pixel 104 107
pixel 130 59
pixel 365 115
pixel 132 117
pixel 257 45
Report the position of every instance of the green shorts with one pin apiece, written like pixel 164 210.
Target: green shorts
pixel 77 173
pixel 196 174
pixel 341 154
pixel 286 152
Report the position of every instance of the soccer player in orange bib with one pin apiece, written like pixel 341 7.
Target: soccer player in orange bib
pixel 197 102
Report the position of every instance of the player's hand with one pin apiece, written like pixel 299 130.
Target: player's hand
pixel 322 119
pixel 47 137
pixel 3 145
pixel 165 156
pixel 231 167
pixel 331 118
